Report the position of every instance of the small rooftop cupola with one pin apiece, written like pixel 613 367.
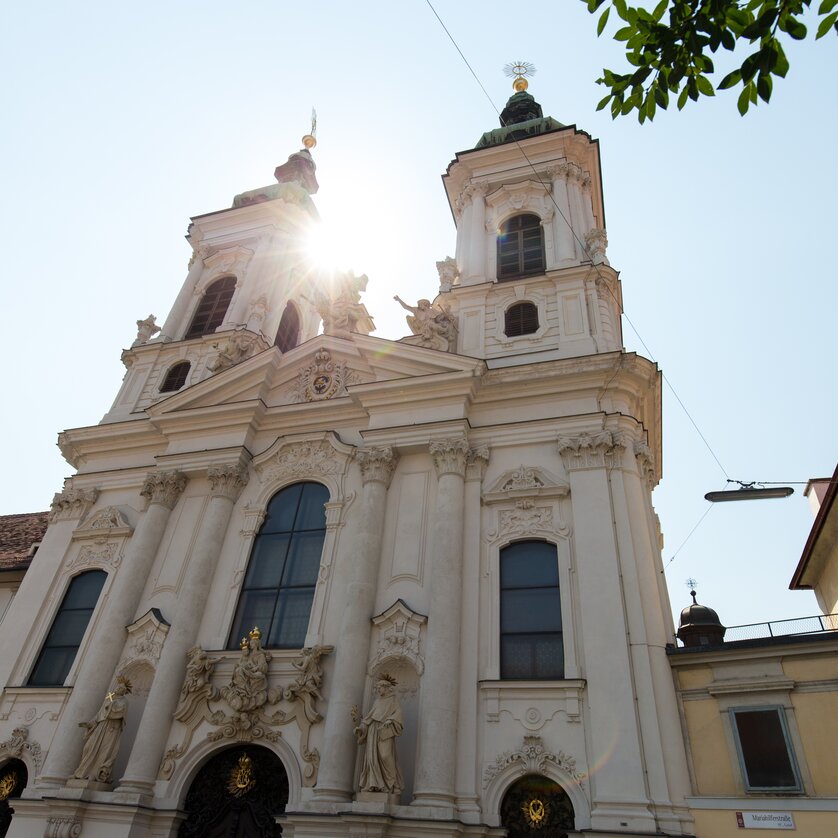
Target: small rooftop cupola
pixel 700 626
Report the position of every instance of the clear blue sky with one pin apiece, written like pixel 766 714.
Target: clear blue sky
pixel 123 120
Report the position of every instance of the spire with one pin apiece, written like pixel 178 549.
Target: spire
pixel 521 106
pixel 522 116
pixel 300 166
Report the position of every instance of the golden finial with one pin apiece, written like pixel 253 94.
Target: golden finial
pixel 310 140
pixel 517 71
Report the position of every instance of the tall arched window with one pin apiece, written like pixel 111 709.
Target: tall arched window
pixel 520 319
pixel 530 612
pixel 520 247
pixel 212 308
pixel 282 572
pixel 288 333
pixel 68 628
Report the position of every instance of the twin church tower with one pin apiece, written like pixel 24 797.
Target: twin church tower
pixel 308 579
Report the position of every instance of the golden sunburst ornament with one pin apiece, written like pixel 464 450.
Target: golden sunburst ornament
pixel 535 812
pixel 518 71
pixel 241 777
pixel 7 785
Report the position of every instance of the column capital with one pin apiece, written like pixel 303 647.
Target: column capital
pixel 587 451
pixel 377 464
pixel 70 504
pixel 228 480
pixel 476 462
pixel 164 487
pixel 450 455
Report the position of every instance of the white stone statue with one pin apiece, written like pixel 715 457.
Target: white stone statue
pixel 102 735
pixel 377 731
pixel 433 325
pixel 342 311
pixel 248 688
pixel 448 274
pixel 145 329
pixel 306 686
pixel 234 350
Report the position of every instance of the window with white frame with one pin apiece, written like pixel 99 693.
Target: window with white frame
pixel 531 638
pixel 764 749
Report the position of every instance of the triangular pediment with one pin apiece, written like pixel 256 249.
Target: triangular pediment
pixel 324 368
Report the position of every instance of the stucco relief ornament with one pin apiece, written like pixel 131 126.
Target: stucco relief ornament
pixel 58 827
pixel 248 695
pixel 322 379
pixel 302 459
pixel 525 518
pixel 523 478
pixel 145 329
pixel 18 744
pixel 237 348
pixel 532 758
pixel 433 326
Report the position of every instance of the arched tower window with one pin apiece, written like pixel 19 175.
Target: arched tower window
pixel 282 572
pixel 288 333
pixel 520 247
pixel 68 628
pixel 212 308
pixel 175 377
pixel 535 805
pixel 530 612
pixel 520 319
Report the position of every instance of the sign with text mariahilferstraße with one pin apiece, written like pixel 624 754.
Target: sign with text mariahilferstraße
pixel 765 820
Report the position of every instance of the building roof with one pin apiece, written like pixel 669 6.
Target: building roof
pixel 17 535
pixel 822 538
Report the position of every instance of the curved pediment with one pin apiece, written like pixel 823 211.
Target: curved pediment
pixel 526 482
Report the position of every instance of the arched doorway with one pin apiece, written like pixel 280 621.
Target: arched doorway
pixel 535 807
pixel 13 779
pixel 237 794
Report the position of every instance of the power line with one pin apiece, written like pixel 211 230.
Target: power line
pixel 549 194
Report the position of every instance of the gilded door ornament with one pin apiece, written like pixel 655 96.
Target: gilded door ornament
pixel 7 784
pixel 241 777
pixel 535 812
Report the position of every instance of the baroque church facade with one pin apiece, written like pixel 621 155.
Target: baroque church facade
pixel 310 582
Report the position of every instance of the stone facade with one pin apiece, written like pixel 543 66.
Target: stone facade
pixel 436 458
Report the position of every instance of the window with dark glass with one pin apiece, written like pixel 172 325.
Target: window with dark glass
pixel 212 308
pixel 282 572
pixel 175 377
pixel 520 247
pixel 520 319
pixel 762 741
pixel 68 628
pixel 288 333
pixel 530 612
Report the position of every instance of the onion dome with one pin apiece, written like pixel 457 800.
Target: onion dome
pixel 700 626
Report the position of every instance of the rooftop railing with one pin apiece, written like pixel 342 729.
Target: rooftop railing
pixel 783 628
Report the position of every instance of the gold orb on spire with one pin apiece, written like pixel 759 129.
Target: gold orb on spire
pixel 518 71
pixel 310 140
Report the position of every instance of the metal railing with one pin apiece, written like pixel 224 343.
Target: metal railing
pixel 783 628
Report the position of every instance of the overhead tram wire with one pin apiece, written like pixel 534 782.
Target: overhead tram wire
pixel 549 194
